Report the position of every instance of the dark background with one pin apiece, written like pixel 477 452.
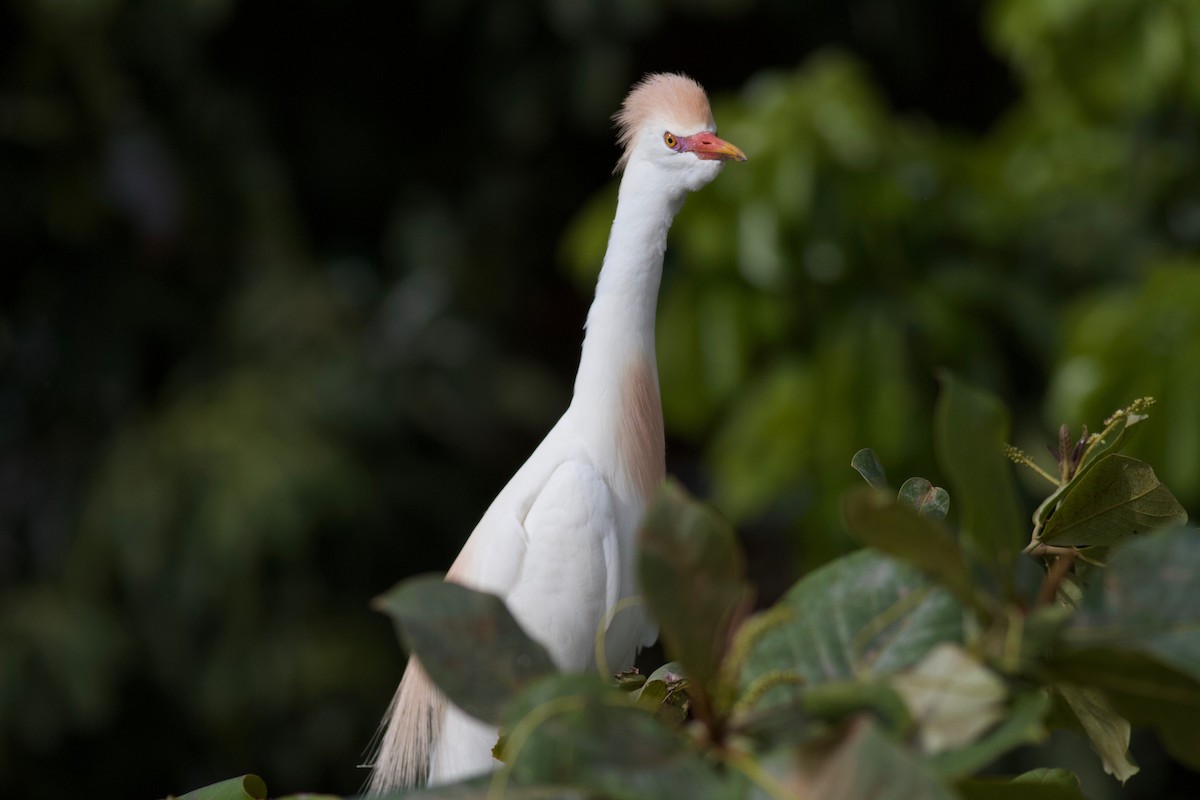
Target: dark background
pixel 289 289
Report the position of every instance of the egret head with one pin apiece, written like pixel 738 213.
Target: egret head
pixel 666 123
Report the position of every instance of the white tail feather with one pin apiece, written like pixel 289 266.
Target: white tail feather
pixel 411 725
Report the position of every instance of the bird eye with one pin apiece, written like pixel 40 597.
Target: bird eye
pixel 670 140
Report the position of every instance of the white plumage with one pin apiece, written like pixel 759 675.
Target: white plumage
pixel 557 543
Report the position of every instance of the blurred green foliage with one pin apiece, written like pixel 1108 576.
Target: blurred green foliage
pixel 279 315
pixel 816 289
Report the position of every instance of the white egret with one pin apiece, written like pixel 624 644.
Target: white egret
pixel 557 543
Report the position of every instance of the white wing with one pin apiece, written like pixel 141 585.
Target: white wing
pixel 570 574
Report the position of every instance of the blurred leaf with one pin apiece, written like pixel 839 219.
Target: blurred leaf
pixel 1118 497
pixel 468 642
pixel 665 692
pixel 925 498
pixel 481 789
pixel 952 697
pixel 834 701
pixel 970 431
pixel 1021 724
pixel 691 573
pixel 1116 59
pixel 1136 636
pixel 877 520
pixel 868 764
pixel 811 712
pixel 862 616
pixel 1146 601
pixel 571 730
pixel 1038 784
pixel 1143 690
pixel 247 787
pixel 1042 631
pixel 1106 730
pixel 762 448
pixel 867 464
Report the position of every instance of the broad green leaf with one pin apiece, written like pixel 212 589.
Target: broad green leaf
pixel 247 787
pixel 669 672
pixel 693 578
pixel 867 464
pixel 971 428
pixel 1021 724
pixel 1040 784
pixel 877 520
pixel 925 498
pixel 1118 497
pixel 1147 601
pixel 572 730
pixel 869 765
pixel 1141 689
pixel 1106 730
pixel 468 642
pixel 861 616
pixel 665 692
pixel 1136 636
pixel 952 696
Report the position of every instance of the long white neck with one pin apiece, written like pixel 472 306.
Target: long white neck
pixel 616 388
pixel 620 322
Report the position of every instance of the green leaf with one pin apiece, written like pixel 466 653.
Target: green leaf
pixel 1118 497
pixel 877 520
pixel 1040 784
pixel 693 578
pixel 1136 636
pixel 665 692
pixel 925 498
pixel 468 642
pixel 867 464
pixel 1141 689
pixel 1147 601
pixel 860 616
pixel 247 787
pixel 572 730
pixel 971 428
pixel 1106 730
pixel 868 764
pixel 1021 724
